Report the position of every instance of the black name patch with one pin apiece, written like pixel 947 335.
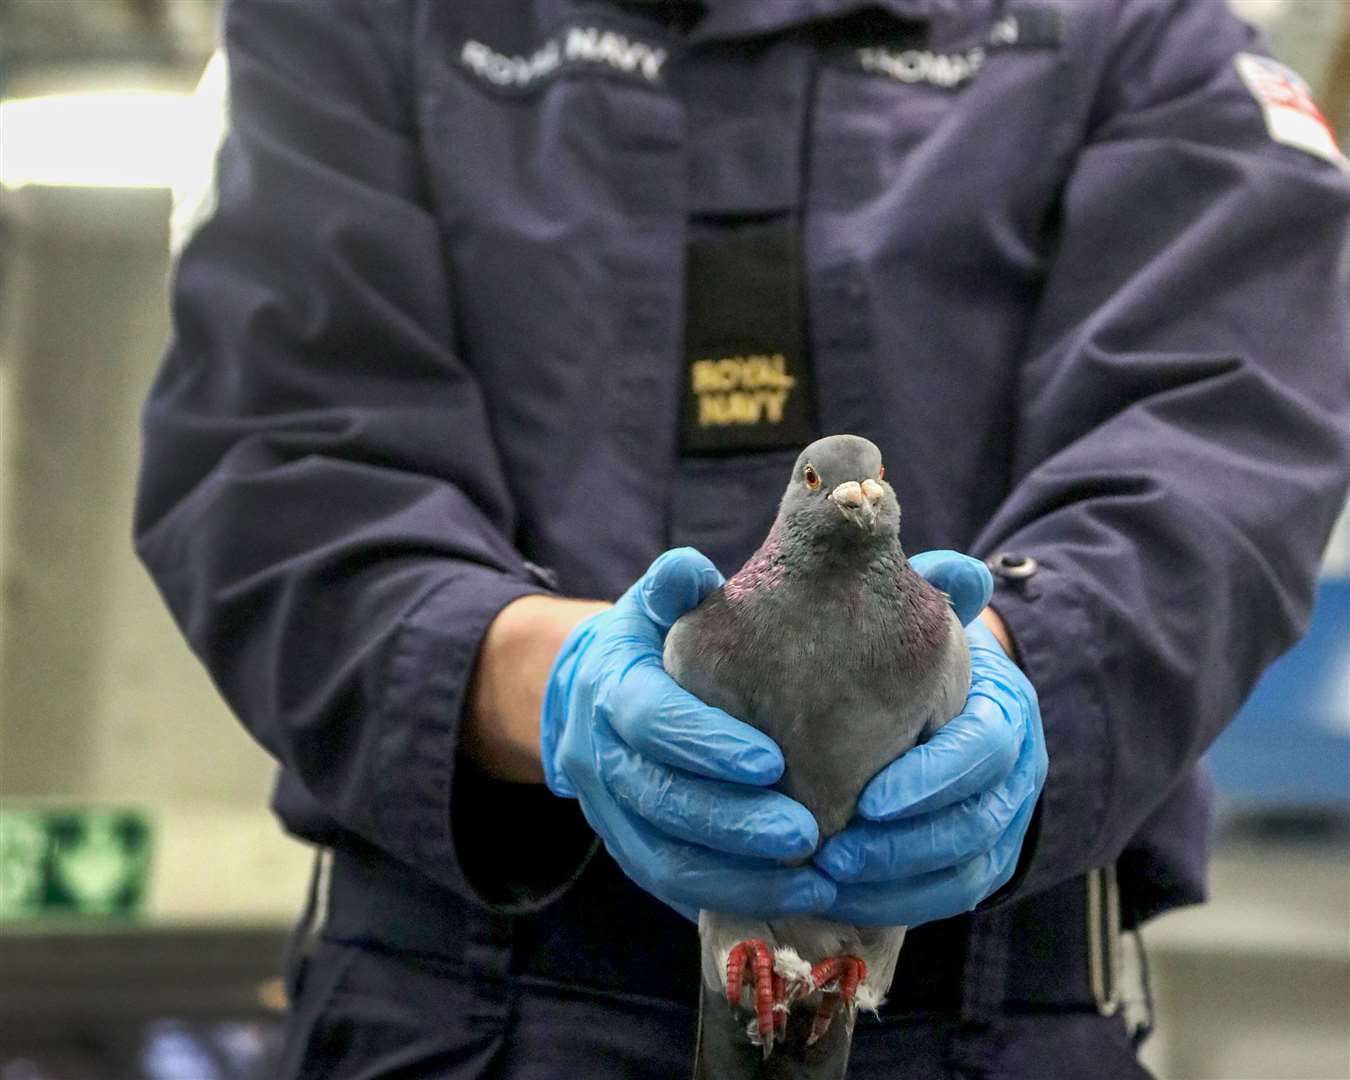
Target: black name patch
pixel 747 383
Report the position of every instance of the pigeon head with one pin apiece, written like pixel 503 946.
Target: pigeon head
pixel 838 490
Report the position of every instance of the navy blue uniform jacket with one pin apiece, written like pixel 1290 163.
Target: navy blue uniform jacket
pixel 427 358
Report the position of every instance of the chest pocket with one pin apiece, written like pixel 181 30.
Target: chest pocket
pixel 556 172
pixel 929 228
pixel 555 165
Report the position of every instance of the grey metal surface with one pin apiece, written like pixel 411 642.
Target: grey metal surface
pixel 1255 984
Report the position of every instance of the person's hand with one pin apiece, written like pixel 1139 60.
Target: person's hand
pixel 942 826
pixel 677 790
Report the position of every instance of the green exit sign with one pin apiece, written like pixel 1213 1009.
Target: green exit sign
pixel 73 861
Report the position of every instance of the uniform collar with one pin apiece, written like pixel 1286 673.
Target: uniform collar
pixel 729 19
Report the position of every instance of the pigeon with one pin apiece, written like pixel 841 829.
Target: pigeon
pixel 830 643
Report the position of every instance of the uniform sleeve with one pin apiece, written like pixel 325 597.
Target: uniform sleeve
pixel 1183 428
pixel 320 502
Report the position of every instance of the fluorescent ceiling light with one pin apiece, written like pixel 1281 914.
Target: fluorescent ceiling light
pixel 124 139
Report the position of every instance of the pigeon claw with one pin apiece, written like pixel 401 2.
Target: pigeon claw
pixel 837 977
pixel 780 1005
pixel 824 1015
pixel 760 959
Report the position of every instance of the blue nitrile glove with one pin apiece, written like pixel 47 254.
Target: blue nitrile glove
pixel 677 790
pixel 942 826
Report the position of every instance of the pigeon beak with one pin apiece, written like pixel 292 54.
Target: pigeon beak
pixel 858 502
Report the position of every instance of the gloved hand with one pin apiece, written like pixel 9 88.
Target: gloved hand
pixel 677 790
pixel 942 826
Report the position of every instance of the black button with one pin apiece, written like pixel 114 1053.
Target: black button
pixel 1012 565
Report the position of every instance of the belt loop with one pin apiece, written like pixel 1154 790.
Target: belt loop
pixel 984 975
pixel 1103 936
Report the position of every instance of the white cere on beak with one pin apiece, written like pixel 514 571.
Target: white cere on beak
pixel 849 493
pixel 872 491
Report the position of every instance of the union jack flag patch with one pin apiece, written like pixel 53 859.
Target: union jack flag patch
pixel 1292 117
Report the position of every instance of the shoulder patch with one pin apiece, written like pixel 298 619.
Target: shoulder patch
pixel 1291 115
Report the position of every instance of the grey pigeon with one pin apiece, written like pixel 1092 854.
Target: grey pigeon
pixel 827 641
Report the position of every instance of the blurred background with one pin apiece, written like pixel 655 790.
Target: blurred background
pixel 146 894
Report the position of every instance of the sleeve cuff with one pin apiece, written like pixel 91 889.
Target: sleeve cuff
pixel 1052 629
pixel 419 810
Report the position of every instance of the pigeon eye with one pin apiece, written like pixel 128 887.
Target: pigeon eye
pixel 811 478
